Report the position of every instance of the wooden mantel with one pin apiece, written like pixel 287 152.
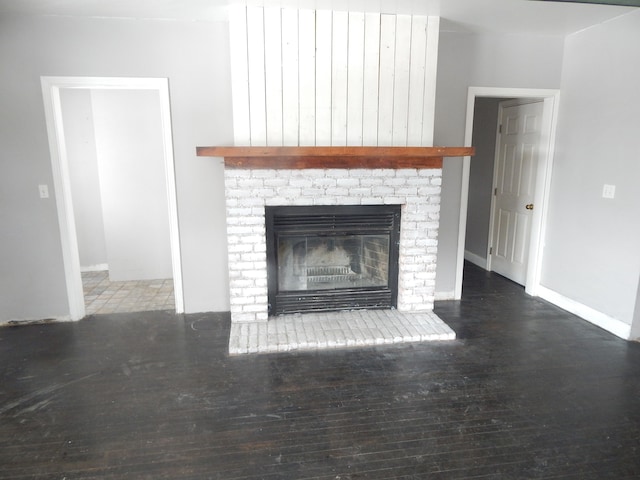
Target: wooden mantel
pixel 333 157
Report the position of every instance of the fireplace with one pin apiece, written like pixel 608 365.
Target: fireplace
pixel 259 178
pixel 327 258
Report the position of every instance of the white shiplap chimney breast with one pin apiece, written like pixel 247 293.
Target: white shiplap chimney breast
pixel 305 77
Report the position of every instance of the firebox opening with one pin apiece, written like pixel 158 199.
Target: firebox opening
pixel 327 258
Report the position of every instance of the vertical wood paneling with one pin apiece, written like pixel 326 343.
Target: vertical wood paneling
pixel 273 74
pixel 401 79
pixel 386 79
pixel 371 72
pixel 239 75
pixel 290 68
pixel 355 81
pixel 332 78
pixel 307 76
pixel 339 61
pixel 323 77
pixel 429 106
pixel 257 100
pixel 416 80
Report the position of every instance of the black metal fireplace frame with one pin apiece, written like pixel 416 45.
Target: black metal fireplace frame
pixel 332 220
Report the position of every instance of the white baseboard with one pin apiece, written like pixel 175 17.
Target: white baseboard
pixel 444 295
pixel 599 319
pixel 100 267
pixel 475 259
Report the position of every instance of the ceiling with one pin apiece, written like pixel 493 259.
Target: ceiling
pixel 501 16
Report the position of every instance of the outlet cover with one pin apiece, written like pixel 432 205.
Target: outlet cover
pixel 608 191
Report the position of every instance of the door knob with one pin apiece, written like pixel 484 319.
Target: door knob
pixel 529 206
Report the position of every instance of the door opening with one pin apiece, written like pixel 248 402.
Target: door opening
pixel 540 179
pixel 52 88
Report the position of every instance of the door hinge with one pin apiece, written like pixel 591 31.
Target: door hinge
pixel 490 250
pixel 499 128
pixel 495 192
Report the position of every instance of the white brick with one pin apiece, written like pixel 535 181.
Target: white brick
pixel 419 181
pixel 407 191
pixel 302 201
pixel 256 274
pixel 382 190
pixel 348 182
pixel 253 257
pixel 301 182
pixel 275 182
pixel 337 192
pixel 349 201
pixel 395 181
pixel 251 202
pixel 250 183
pixel 371 181
pixel 360 192
pixel 313 192
pixel 241 266
pixel 371 200
pixel 276 201
pixel 241 300
pixel 256 239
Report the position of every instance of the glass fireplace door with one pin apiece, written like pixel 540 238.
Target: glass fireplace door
pixel 332 258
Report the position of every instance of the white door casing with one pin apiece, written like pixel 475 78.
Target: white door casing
pixel 516 161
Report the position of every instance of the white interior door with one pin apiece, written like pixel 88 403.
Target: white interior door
pixel 517 156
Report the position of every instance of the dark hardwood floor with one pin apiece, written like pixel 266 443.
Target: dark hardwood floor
pixel 527 391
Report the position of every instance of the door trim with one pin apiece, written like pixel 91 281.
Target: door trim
pixel 51 87
pixel 551 98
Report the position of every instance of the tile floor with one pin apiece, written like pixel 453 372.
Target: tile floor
pixel 104 296
pixel 319 331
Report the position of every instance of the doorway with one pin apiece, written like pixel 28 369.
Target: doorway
pixel 107 92
pixel 540 178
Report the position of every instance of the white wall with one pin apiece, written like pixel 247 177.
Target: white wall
pixel 592 253
pixel 133 185
pixel 195 58
pixel 80 143
pixel 479 60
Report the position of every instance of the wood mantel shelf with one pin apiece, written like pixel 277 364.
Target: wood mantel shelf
pixel 333 157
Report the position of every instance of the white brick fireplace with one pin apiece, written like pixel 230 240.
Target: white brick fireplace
pixel 260 177
pixel 249 190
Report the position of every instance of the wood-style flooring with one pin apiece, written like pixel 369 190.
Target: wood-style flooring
pixel 527 391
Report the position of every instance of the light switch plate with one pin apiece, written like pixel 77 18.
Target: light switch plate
pixel 608 191
pixel 44 191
